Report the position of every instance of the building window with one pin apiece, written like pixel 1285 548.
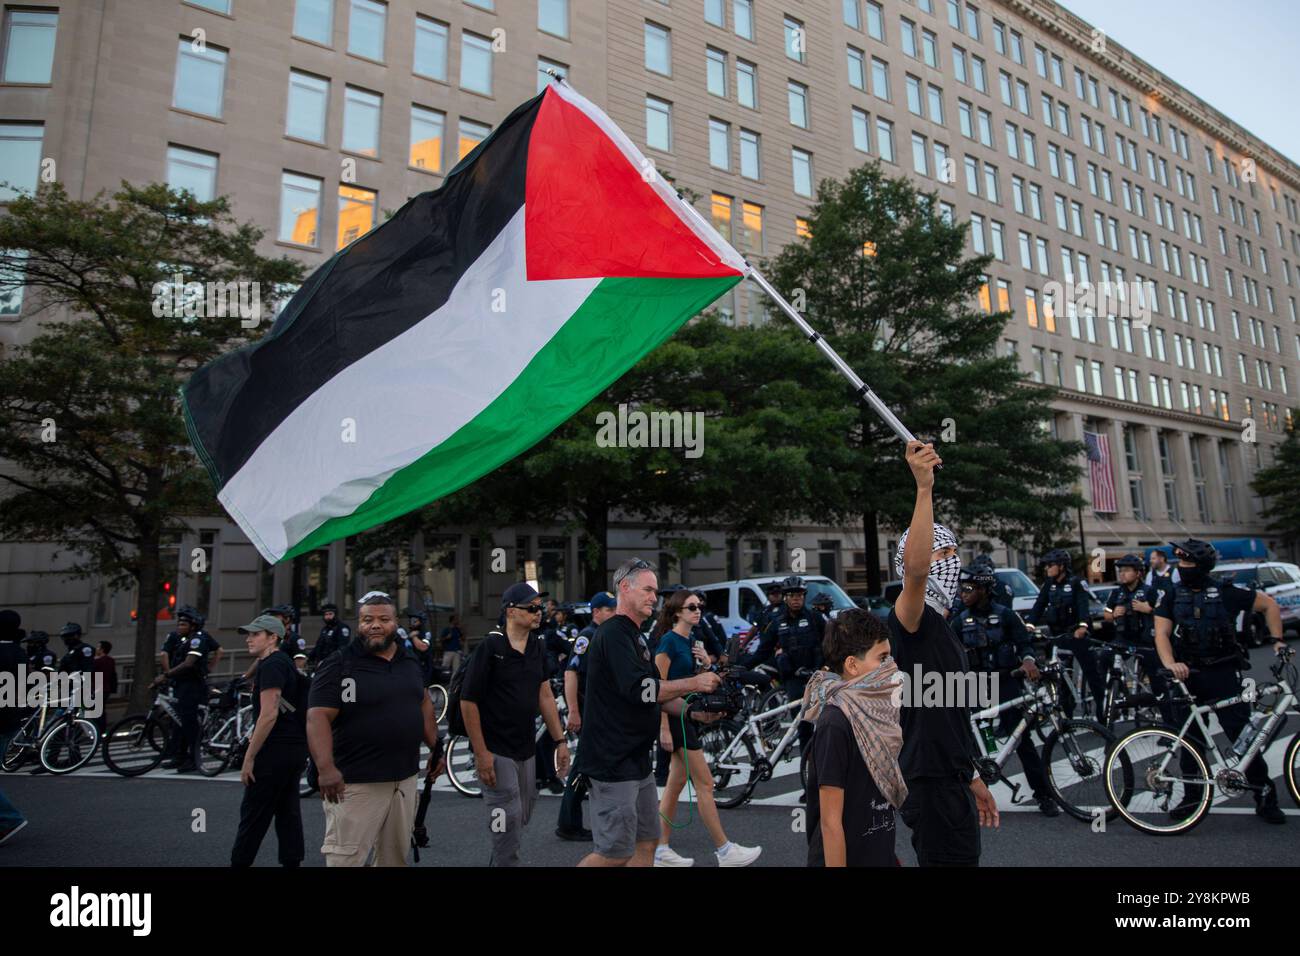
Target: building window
pixel 719 144
pixel 427 130
pixel 742 17
pixel 356 213
pixel 192 171
pixel 544 68
pixel 200 79
pixel 658 124
pixel 749 155
pixel 720 211
pixel 861 130
pixel 314 20
pixel 11 285
pixel 795 40
pixel 658 48
pixel 752 220
pixel 361 111
pixel 476 64
pixel 801 162
pixel 797 94
pixel 715 13
pixel 553 17
pixel 309 98
pixel 20 158
pixel 857 69
pixel 880 78
pixel 29 46
pixel 885 139
pixel 747 84
pixel 220 6
pixel 431 48
pixel 471 134
pixel 299 208
pixel 366 29
pixel 715 69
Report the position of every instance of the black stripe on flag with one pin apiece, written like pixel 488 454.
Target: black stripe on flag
pixel 366 295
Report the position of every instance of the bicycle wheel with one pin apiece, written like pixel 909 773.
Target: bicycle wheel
pixel 735 778
pixel 1291 768
pixel 438 694
pixel 68 745
pixel 461 769
pixel 135 745
pixel 772 727
pixel 803 770
pixel 215 745
pixel 15 754
pixel 1163 771
pixel 1074 759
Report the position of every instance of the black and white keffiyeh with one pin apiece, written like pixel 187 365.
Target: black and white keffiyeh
pixel 941 584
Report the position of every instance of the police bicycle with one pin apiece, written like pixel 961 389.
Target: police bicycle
pixel 1074 748
pixel 742 749
pixel 138 743
pixel 56 734
pixel 438 695
pixel 462 770
pixel 224 734
pixel 1145 779
pixel 1127 696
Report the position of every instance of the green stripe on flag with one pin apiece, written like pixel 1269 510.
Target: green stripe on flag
pixel 619 322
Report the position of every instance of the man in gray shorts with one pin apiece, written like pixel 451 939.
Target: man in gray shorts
pixel 620 724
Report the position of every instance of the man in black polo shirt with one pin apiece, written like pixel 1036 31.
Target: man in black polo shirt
pixel 621 723
pixel 506 687
pixel 947 802
pixel 277 750
pixel 367 713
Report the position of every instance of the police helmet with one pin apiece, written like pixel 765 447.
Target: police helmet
pixel 981 560
pixel 1201 553
pixel 329 607
pixel 190 614
pixel 772 587
pixel 1057 556
pixel 40 638
pixel 823 599
pixel 1131 561
pixel 978 576
pixel 71 629
pixel 793 584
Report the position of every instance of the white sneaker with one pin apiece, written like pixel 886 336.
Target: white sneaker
pixel 665 856
pixel 739 855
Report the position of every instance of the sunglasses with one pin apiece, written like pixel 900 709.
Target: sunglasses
pixel 691 607
pixel 967 588
pixel 530 608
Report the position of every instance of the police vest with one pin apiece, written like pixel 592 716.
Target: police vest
pixel 799 639
pixel 988 646
pixel 1060 613
pixel 1203 626
pixel 1132 626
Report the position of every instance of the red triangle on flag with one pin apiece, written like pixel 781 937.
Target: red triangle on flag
pixel 589 213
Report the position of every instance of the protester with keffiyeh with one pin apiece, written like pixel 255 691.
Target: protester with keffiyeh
pixel 854 781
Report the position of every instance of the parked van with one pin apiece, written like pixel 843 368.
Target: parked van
pixel 737 603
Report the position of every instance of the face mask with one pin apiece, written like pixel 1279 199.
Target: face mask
pixel 945 574
pixel 1194 577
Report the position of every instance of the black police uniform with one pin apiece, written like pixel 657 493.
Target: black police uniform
pixel 571 805
pixel 1205 638
pixel 333 637
pixel 294 644
pixel 997 642
pixel 42 659
pixel 1062 607
pixel 191 686
pixel 1138 628
pixel 799 635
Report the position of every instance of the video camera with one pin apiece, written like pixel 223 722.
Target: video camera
pixel 727 699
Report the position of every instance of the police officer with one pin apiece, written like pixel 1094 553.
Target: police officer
pixel 570 827
pixel 334 635
pixel 761 617
pixel 1130 609
pixel 39 655
pixel 793 641
pixel 80 656
pixel 420 641
pixel 1198 630
pixel 822 604
pixel 997 642
pixel 186 650
pixel 1062 606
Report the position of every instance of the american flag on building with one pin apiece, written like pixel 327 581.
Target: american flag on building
pixel 1103 482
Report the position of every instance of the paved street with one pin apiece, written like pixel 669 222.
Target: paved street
pixel 96 818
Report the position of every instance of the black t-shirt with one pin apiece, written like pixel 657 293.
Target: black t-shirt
pixel 277 670
pixel 937 741
pixel 620 721
pixel 380 724
pixel 505 685
pixel 868 818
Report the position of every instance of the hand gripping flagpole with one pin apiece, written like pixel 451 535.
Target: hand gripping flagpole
pixel 861 388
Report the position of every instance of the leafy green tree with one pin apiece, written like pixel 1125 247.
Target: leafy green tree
pixel 91 429
pixel 885 278
pixel 1279 485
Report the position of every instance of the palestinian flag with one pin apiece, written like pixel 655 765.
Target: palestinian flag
pixel 457 334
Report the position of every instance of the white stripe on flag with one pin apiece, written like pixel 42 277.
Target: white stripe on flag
pixel 1103 482
pixel 406 397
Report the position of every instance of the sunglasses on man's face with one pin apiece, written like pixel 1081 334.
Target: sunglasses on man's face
pixel 530 608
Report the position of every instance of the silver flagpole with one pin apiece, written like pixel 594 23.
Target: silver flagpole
pixel 862 389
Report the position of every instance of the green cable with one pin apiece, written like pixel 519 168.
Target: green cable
pixel 689 785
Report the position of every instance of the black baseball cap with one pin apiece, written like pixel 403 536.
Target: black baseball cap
pixel 521 593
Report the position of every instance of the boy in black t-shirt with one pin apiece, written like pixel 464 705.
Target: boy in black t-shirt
pixel 854 781
pixel 277 750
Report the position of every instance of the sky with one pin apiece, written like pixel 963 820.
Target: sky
pixel 1242 57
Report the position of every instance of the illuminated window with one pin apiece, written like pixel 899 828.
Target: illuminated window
pixel 752 217
pixel 299 208
pixel 801 229
pixel 721 212
pixel 427 130
pixel 471 134
pixel 356 213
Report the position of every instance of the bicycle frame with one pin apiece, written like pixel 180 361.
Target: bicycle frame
pixel 1217 761
pixel 751 729
pixel 992 713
